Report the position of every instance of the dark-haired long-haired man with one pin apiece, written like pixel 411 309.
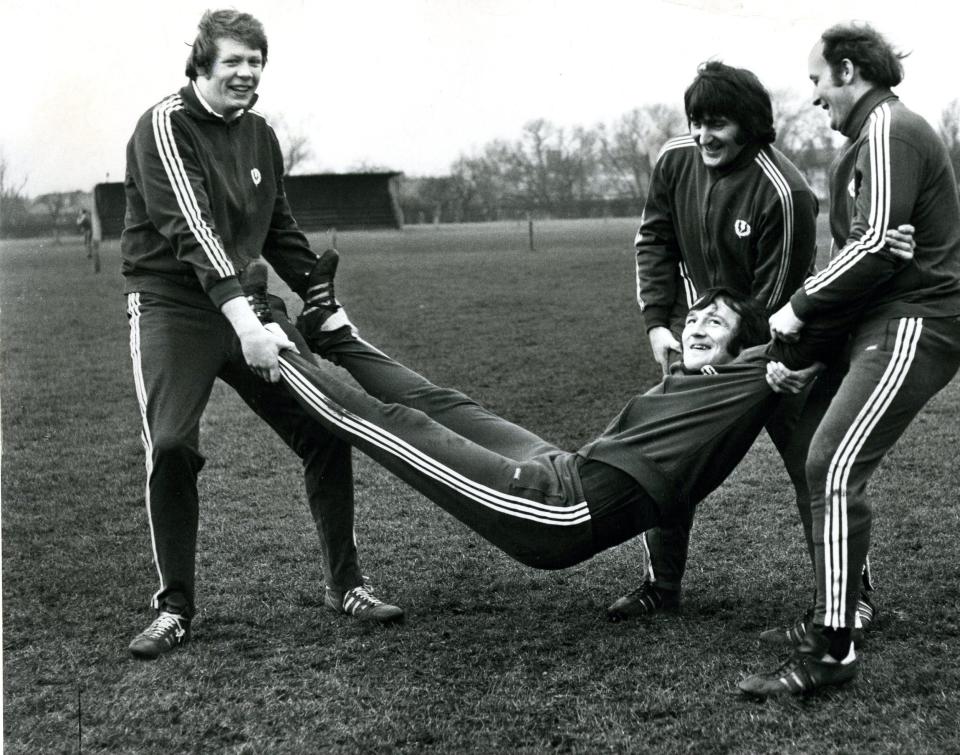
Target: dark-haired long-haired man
pixel 724 208
pixel 205 197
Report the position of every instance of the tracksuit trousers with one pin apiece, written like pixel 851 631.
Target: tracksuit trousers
pixel 896 366
pixel 543 506
pixel 177 352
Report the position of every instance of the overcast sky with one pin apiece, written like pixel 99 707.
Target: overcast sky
pixel 411 84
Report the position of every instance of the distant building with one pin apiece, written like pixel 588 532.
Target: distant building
pixel 344 201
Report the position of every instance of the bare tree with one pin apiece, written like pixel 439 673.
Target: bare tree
pixel 437 191
pixel 297 153
pixel 294 145
pixel 527 162
pixel 428 195
pixel 555 172
pixel 13 200
pixel 565 172
pixel 950 133
pixel 55 202
pixel 484 184
pixel 628 150
pixel 365 166
pixel 9 188
pixel 804 136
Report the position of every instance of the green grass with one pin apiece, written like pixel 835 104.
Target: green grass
pixel 494 656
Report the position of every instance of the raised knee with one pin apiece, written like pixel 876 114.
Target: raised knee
pixel 169 444
pixel 170 449
pixel 818 466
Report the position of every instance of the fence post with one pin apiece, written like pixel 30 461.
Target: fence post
pixel 530 229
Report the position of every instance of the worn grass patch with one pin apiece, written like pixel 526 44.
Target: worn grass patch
pixel 494 656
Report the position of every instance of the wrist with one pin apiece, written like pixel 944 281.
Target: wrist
pixel 656 316
pixel 241 316
pixel 801 305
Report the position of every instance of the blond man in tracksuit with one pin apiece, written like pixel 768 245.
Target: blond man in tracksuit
pixel 893 169
pixel 204 190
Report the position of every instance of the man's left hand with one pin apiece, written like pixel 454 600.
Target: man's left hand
pixel 785 325
pixel 900 241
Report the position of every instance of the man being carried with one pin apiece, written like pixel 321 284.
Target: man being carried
pixel 544 506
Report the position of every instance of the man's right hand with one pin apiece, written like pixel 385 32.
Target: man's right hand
pixel 260 346
pixel 662 343
pixel 261 350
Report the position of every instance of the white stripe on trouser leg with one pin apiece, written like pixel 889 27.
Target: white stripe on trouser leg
pixel 867 575
pixel 503 503
pixel 136 358
pixel 835 525
pixel 651 576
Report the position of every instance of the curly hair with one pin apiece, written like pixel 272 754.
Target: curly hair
pixel 867 49
pixel 723 91
pixel 217 24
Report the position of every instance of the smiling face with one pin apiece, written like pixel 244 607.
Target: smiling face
pixel 707 334
pixel 720 139
pixel 229 85
pixel 836 98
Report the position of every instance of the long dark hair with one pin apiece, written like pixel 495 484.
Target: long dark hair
pixel 735 93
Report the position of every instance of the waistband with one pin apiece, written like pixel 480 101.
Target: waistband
pixel 620 507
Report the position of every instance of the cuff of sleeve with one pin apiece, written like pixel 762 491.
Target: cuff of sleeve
pixel 225 290
pixel 802 306
pixel 656 317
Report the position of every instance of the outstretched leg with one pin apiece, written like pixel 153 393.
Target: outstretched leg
pixel 391 382
pixel 532 508
pixel 330 334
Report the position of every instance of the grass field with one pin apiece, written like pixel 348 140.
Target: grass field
pixel 494 656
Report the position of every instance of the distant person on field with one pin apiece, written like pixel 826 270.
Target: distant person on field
pixel 893 169
pixel 205 197
pixel 725 208
pixel 85 227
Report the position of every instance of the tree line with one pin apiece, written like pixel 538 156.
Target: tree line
pixel 549 171
pixel 22 216
pixel 605 170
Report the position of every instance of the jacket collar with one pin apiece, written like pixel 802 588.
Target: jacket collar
pixel 746 156
pixel 857 117
pixel 199 108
